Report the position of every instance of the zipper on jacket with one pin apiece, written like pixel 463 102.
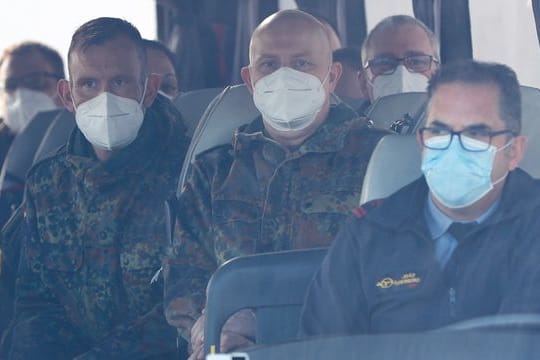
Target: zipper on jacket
pixel 452 302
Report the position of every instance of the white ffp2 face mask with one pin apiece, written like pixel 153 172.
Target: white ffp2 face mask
pixel 289 100
pixel 23 105
pixel 400 81
pixel 109 121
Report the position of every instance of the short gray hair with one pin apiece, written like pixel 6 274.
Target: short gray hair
pixel 396 21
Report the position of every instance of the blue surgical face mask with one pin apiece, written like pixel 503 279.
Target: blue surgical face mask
pixel 457 177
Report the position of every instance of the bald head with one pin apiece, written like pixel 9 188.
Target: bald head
pixel 281 25
pixel 295 40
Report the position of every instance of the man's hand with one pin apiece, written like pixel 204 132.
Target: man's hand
pixel 237 333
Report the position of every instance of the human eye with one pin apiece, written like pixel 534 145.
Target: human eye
pixel 302 64
pixel 119 82
pixel 437 131
pixel 87 83
pixel 267 66
pixel 477 134
pixel 418 62
pixel 382 65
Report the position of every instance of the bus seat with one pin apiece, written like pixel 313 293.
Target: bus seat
pixel 192 104
pixel 20 155
pixel 530 118
pixel 394 163
pixel 56 135
pixel 272 284
pixel 232 108
pixel 399 112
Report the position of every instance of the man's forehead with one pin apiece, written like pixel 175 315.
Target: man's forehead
pixel 400 40
pixel 116 53
pixel 460 105
pixel 279 43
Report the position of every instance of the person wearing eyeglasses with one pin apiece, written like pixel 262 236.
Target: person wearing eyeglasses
pixel 29 73
pixel 399 55
pixel 460 242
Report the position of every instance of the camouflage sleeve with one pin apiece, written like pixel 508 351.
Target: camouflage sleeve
pixel 147 337
pixel 40 327
pixel 190 261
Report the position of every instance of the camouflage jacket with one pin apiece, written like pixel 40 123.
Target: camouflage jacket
pixel 256 196
pixel 97 235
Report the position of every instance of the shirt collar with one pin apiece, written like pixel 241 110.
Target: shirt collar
pixel 438 222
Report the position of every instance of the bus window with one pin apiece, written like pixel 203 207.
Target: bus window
pixel 505 32
pixel 375 12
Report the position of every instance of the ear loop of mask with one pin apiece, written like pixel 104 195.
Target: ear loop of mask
pixel 506 173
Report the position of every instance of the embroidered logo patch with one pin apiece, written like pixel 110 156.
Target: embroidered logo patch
pixel 411 280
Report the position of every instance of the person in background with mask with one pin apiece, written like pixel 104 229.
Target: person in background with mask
pixel 350 89
pixel 28 75
pixel 458 243
pixel 162 61
pixel 95 220
pixel 285 182
pixel 400 54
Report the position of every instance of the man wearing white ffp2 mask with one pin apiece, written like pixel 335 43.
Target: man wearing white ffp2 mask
pixel 109 107
pixel 297 169
pixel 399 55
pixel 103 192
pixel 110 122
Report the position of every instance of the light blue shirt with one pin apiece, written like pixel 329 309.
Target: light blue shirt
pixel 438 224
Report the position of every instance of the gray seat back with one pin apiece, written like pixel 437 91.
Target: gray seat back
pixel 232 108
pixel 57 134
pixel 192 105
pixel 273 285
pixel 394 163
pixel 21 153
pixel 397 108
pixel 530 100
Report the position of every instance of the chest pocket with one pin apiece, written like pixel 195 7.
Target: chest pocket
pixel 228 211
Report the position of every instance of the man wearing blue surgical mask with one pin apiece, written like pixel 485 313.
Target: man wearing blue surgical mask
pixel 399 55
pixel 94 226
pixel 285 182
pixel 458 243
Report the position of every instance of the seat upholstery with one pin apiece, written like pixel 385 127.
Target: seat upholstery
pixel 232 108
pixel 396 108
pixel 57 134
pixel 272 284
pixel 192 105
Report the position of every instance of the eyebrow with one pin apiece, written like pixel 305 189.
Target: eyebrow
pixel 441 124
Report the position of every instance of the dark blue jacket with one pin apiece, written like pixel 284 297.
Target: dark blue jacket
pixel 381 274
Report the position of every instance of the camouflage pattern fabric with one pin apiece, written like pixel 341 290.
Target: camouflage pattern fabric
pixel 257 196
pixel 97 235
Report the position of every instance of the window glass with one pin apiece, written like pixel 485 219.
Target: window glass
pixel 52 22
pixel 504 31
pixel 287 4
pixel 375 11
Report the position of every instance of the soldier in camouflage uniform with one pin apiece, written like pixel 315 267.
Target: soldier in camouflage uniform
pixel 271 189
pixel 95 211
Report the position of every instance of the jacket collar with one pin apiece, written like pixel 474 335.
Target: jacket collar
pixel 329 137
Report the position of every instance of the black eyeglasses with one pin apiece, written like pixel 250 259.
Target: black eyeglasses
pixel 386 65
pixel 445 137
pixel 39 80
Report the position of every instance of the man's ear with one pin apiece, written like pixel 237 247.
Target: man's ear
pixel 153 81
pixel 246 76
pixel 334 75
pixel 516 151
pixel 64 92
